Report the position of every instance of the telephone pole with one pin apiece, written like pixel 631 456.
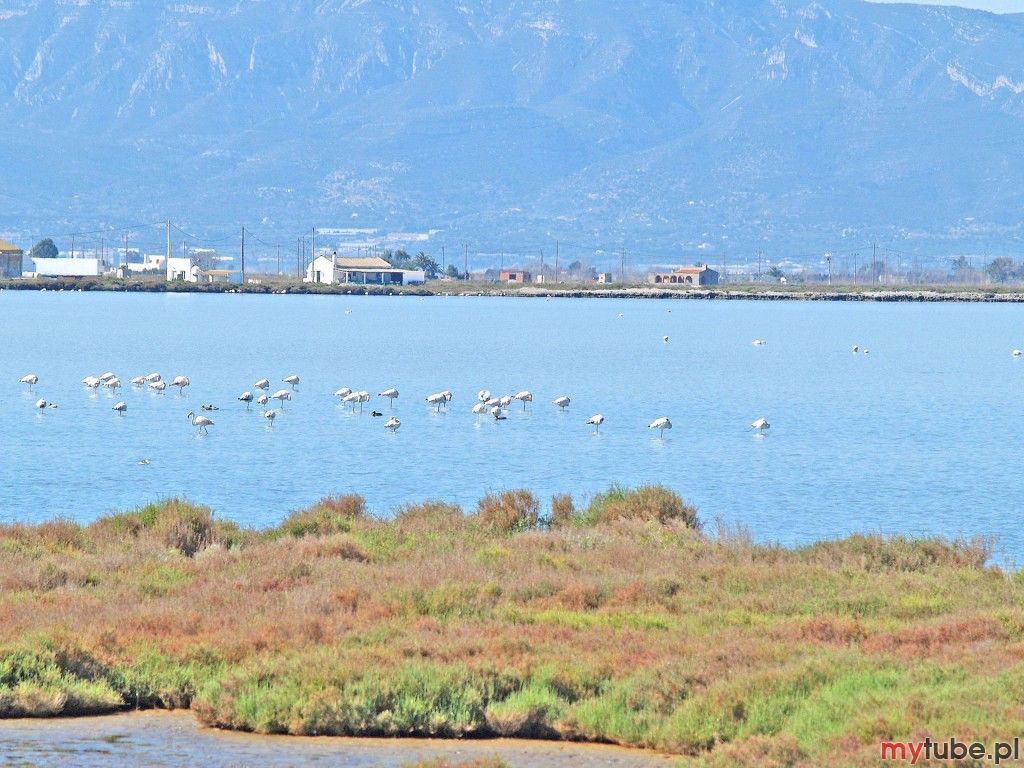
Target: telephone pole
pixel 243 254
pixel 556 261
pixel 622 266
pixel 465 259
pixel 169 253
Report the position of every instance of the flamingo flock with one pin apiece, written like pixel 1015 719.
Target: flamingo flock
pixel 496 406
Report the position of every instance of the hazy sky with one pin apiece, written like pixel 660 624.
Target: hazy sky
pixel 999 6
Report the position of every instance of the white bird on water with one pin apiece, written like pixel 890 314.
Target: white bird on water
pixel 262 384
pixel 91 381
pixel 438 399
pixel 597 420
pixel 158 386
pixel 138 381
pixel 497 414
pixel 282 395
pixel 351 398
pixel 31 379
pixel 759 342
pixel 270 416
pixel 390 394
pixel 114 383
pixel 665 339
pixel 120 408
pixel 761 425
pixel 1016 353
pixel 181 382
pixel 480 408
pixel 245 397
pixel 856 348
pixel 262 399
pixel 562 402
pixel 152 377
pixel 105 377
pixel 661 425
pixel 200 421
pixel 41 404
pixel 293 380
pixel 393 423
pixel 483 395
pixel 343 392
pixel 505 401
pixel 525 397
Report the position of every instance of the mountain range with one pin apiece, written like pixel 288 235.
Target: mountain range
pixel 678 130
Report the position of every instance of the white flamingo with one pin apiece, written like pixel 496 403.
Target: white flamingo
pixel 505 401
pixel 31 379
pixel 270 416
pixel 1016 353
pixel 661 425
pixel 114 383
pixel 152 377
pixel 480 408
pixel 438 399
pixel 761 425
pixel 293 380
pixel 262 384
pixel 393 423
pixel 91 381
pixel 497 414
pixel 105 377
pixel 282 395
pixel 483 395
pixel 262 399
pixel 390 394
pixel 200 421
pixel 343 392
pixel 41 404
pixel 246 397
pixel 138 381
pixel 181 382
pixel 759 342
pixel 352 398
pixel 597 420
pixel 158 386
pixel 120 408
pixel 493 402
pixel 525 396
pixel 562 402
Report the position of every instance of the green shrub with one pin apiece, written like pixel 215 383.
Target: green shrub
pixel 654 503
pixel 172 523
pixel 331 515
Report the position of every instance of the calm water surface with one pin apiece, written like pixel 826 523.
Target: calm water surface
pixel 175 740
pixel 921 436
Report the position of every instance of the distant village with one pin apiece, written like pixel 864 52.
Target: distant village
pixel 199 266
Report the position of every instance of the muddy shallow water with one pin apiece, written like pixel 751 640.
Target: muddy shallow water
pixel 176 739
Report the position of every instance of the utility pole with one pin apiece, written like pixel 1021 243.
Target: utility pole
pixel 298 257
pixel 168 242
pixel 556 261
pixel 855 255
pixel 279 259
pixel 828 258
pixel 243 254
pixel 542 262
pixel 759 254
pixel 126 249
pixel 312 247
pixel 465 261
pixel 103 250
pixel 622 266
pixel 442 259
pixel 72 246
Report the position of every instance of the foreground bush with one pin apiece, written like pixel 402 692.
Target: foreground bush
pixel 610 623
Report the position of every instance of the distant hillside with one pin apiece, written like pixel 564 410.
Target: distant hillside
pixel 696 126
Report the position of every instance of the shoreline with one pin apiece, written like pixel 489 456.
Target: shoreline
pixel 738 292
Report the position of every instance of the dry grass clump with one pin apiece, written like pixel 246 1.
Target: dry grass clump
pixel 617 623
pixel 508 512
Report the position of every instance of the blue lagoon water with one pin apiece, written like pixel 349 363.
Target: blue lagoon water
pixel 921 436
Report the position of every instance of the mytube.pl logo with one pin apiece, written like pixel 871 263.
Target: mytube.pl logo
pixel 911 752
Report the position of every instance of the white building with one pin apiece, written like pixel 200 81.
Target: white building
pixel 151 262
pixel 368 270
pixel 67 267
pixel 183 269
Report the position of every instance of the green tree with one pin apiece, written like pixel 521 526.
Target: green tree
pixel 44 249
pixel 776 273
pixel 429 266
pixel 452 272
pixel 1001 270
